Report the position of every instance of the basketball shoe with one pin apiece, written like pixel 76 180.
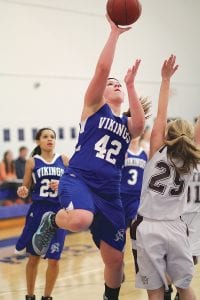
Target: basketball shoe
pixel 30 297
pixel 44 234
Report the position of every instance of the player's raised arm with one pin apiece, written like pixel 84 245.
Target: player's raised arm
pixel 137 120
pixel 158 131
pixel 94 95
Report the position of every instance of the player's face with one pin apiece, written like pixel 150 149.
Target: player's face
pixel 47 140
pixel 113 91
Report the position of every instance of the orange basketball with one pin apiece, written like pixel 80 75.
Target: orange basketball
pixel 124 12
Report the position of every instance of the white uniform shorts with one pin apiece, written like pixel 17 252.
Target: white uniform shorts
pixel 163 248
pixel 193 222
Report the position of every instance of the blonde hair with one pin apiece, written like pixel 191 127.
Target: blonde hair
pixel 181 145
pixel 146 105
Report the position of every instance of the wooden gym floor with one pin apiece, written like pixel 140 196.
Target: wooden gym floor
pixel 81 270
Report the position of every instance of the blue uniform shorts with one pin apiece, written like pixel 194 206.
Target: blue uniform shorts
pixel 33 218
pixel 109 222
pixel 130 204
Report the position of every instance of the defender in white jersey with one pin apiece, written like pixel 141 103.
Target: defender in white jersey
pixel 192 216
pixel 89 190
pixel 192 213
pixel 160 235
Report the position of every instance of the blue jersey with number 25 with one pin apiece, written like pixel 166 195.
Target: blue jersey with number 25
pixel 42 175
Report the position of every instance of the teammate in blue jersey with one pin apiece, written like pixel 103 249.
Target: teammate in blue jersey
pixel 131 183
pixel 42 174
pixel 132 172
pixel 89 190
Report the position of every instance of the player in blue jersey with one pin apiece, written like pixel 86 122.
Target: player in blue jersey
pixel 132 172
pixel 42 174
pixel 131 183
pixel 89 190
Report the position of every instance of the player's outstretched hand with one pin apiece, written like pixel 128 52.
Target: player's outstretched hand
pixel 116 28
pixel 169 67
pixel 131 73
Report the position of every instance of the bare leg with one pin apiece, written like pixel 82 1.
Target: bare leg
pixel 157 294
pixel 74 220
pixel 31 273
pixel 186 294
pixel 113 260
pixel 51 276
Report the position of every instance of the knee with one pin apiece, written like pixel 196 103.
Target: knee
pixel 33 261
pixel 156 294
pixel 53 263
pixel 114 261
pixel 182 291
pixel 81 221
pixel 74 220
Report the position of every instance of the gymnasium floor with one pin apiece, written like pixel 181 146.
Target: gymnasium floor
pixel 81 271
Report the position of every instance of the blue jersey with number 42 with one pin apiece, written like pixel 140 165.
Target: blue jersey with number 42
pixel 99 155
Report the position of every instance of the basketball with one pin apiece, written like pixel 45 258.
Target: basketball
pixel 124 12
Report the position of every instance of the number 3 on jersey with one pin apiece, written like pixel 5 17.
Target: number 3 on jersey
pixel 134 175
pixel 102 149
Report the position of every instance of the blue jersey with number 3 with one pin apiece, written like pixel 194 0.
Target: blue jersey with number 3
pixel 42 175
pixel 132 173
pixel 100 152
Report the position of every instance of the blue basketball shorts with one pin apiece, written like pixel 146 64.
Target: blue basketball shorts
pixel 33 219
pixel 109 222
pixel 130 205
